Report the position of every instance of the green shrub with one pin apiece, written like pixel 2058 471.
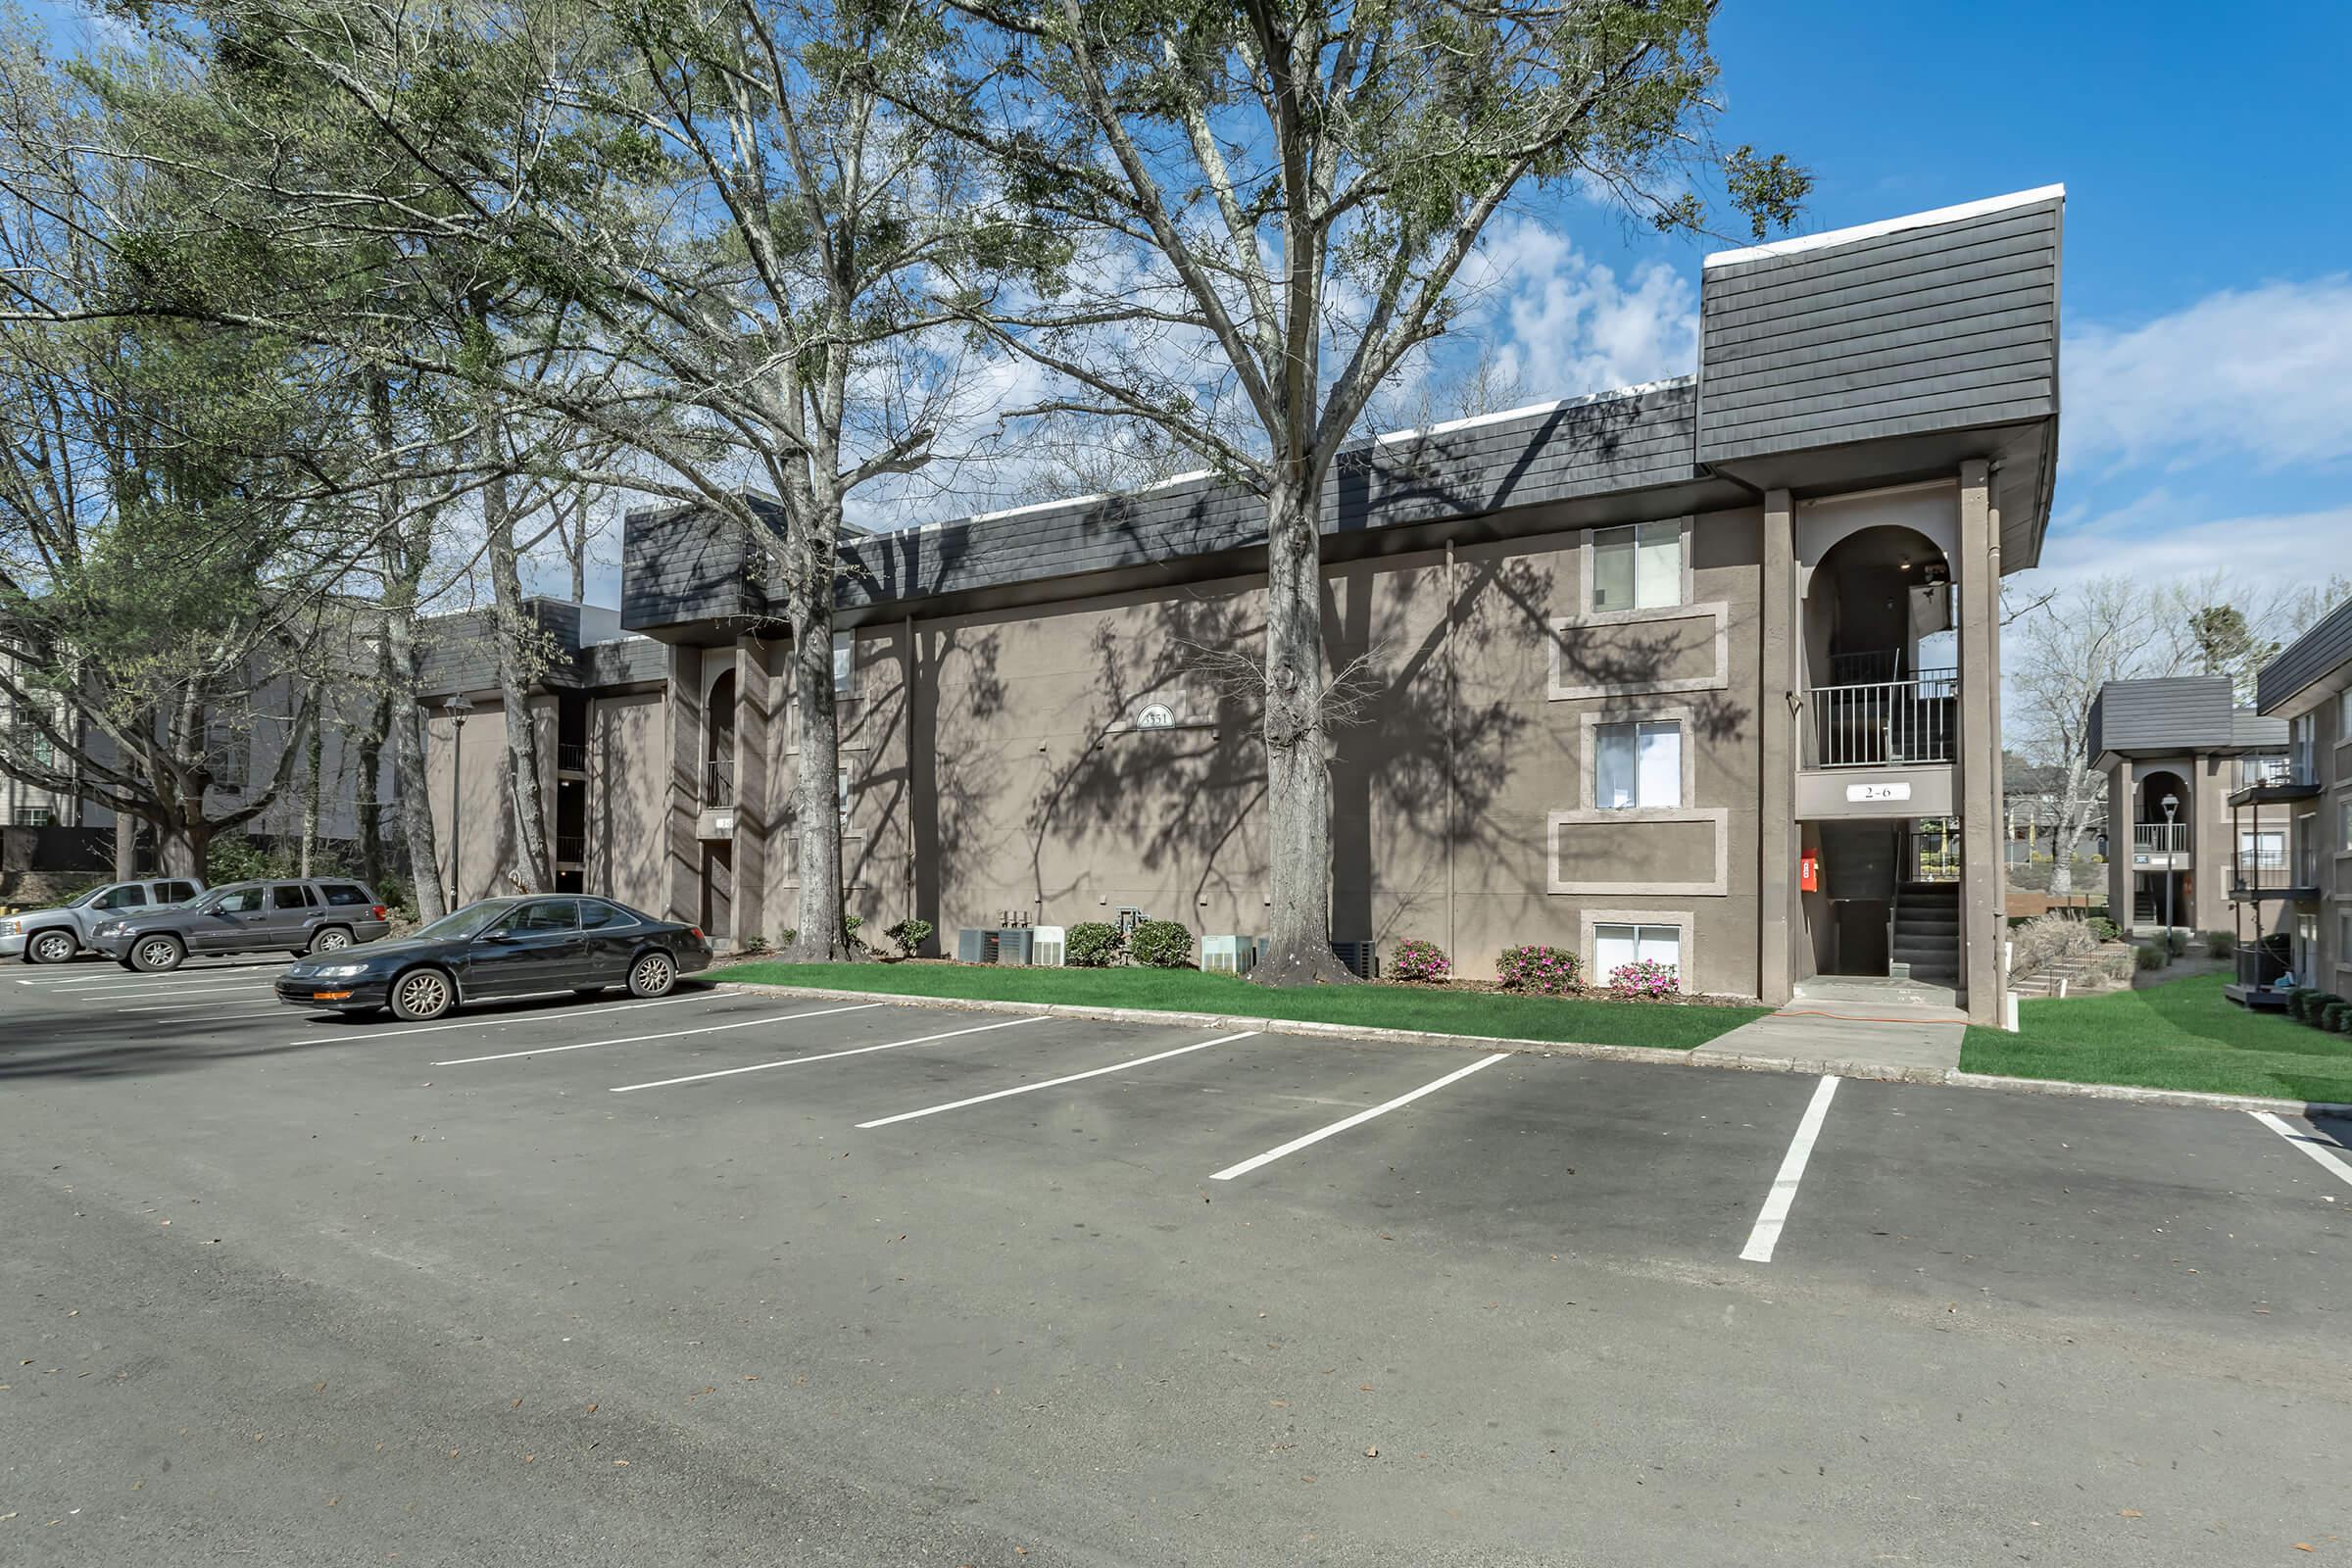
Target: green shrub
pixel 2333 1016
pixel 1093 945
pixel 2295 995
pixel 1416 959
pixel 1161 944
pixel 2148 958
pixel 2176 939
pixel 908 936
pixel 2104 929
pixel 2315 1006
pixel 2219 943
pixel 849 932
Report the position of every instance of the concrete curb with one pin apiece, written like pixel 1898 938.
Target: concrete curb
pixel 1699 1056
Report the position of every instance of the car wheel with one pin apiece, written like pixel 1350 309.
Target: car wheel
pixel 331 939
pixel 422 995
pixel 158 953
pixel 652 976
pixel 50 946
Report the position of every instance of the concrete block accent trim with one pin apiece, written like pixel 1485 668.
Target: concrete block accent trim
pixel 1718 611
pixel 1587 939
pixel 1719 886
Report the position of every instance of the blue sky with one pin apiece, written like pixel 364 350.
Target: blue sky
pixel 2207 278
pixel 2208 267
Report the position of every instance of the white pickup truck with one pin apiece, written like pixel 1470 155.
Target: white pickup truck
pixel 53 936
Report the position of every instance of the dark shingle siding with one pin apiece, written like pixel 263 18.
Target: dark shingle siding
pixel 2312 657
pixel 1592 447
pixel 1943 327
pixel 2180 712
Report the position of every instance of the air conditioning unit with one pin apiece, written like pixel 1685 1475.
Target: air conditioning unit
pixel 1228 954
pixel 1012 944
pixel 976 946
pixel 1046 947
pixel 1362 959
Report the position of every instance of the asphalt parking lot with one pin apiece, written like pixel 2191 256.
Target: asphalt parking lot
pixel 730 1278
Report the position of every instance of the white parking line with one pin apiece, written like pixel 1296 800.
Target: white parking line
pixel 830 1055
pixel 1053 1083
pixel 676 1034
pixel 2313 1143
pixel 197 989
pixel 118 974
pixel 494 1020
pixel 1356 1120
pixel 1767 1233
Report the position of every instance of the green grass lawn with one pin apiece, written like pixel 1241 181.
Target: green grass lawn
pixel 1375 1007
pixel 2183 1034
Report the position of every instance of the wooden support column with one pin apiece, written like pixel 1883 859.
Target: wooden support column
pixel 683 708
pixel 1778 910
pixel 759 802
pixel 1980 878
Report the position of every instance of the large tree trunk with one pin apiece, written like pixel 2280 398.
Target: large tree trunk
pixel 1298 749
pixel 313 759
pixel 183 844
pixel 816 732
pixel 368 802
pixel 2065 835
pixel 518 668
pixel 404 546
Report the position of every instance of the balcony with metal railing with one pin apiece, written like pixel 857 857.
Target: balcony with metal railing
pixel 718 783
pixel 571 757
pixel 1882 723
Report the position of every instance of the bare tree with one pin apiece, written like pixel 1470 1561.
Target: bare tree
pixel 1271 208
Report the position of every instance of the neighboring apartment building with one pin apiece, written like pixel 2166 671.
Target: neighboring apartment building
pixel 2175 752
pixel 1705 670
pixel 2292 873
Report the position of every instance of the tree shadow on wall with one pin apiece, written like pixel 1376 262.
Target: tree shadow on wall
pixel 948 802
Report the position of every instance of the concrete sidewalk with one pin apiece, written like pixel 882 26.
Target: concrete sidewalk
pixel 1852 1036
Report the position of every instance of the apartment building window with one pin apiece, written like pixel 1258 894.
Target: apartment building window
pixel 35 816
pixel 2343 716
pixel 2343 824
pixel 843 787
pixel 1637 567
pixel 1638 766
pixel 2344 937
pixel 2300 734
pixel 844 663
pixel 1616 946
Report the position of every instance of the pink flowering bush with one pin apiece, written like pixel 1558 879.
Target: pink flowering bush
pixel 1416 959
pixel 1550 970
pixel 1647 980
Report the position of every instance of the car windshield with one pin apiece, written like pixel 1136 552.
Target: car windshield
pixel 472 920
pixel 84 899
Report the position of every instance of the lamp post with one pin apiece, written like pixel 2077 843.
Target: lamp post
pixel 457 707
pixel 2172 805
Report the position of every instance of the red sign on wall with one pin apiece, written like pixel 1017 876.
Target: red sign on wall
pixel 1808 872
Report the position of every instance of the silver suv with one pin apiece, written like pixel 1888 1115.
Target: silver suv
pixel 53 936
pixel 316 915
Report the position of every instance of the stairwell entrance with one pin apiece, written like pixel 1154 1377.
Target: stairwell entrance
pixel 1888 904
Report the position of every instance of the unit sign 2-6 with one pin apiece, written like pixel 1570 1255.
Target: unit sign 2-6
pixel 1879 792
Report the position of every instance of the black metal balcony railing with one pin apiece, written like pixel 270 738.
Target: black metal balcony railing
pixel 2267 873
pixel 2160 838
pixel 1885 722
pixel 571 757
pixel 719 781
pixel 2261 962
pixel 571 849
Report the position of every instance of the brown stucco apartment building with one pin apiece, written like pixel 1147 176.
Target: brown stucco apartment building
pixel 1704 670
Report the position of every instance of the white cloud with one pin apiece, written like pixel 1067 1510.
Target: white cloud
pixel 1565 324
pixel 2262 374
pixel 2150 540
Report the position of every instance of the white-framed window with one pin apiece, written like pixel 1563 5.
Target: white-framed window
pixel 2343 716
pixel 1638 566
pixel 843 787
pixel 844 663
pixel 1616 946
pixel 2301 732
pixel 35 816
pixel 2263 850
pixel 2343 824
pixel 1638 765
pixel 2344 937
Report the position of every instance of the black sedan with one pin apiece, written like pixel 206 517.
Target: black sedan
pixel 502 948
